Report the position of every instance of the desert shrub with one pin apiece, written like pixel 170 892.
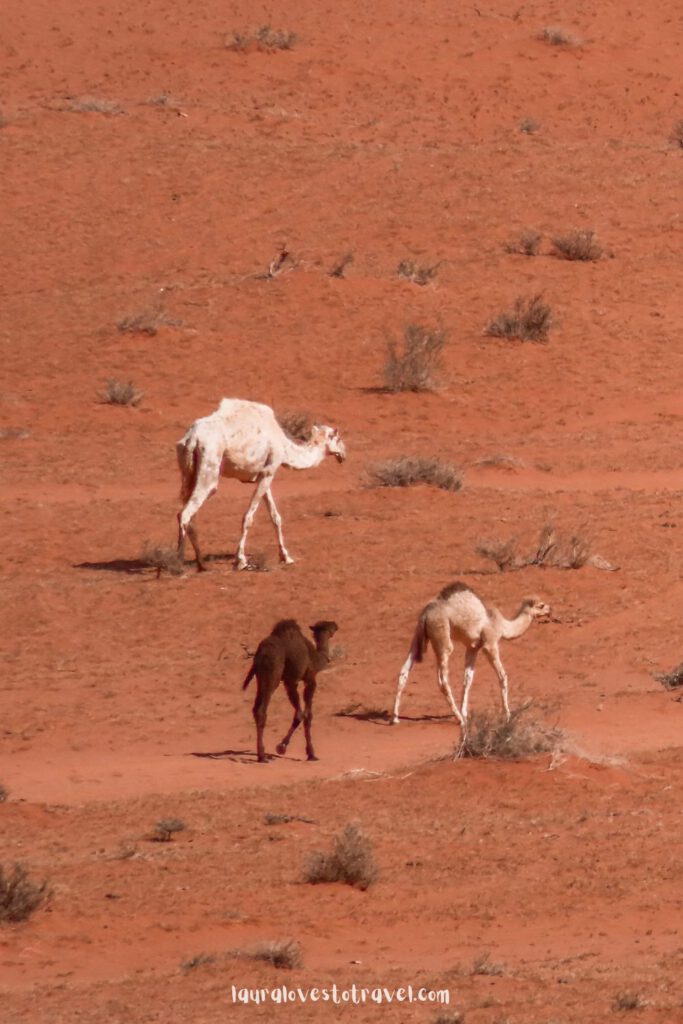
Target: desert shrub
pixel 19 896
pixel 453 1017
pixel 265 38
pixel 527 243
pixel 166 828
pixel 280 953
pixel 417 365
pixel 483 965
pixel 297 425
pixel 492 735
pixel 162 558
pixel 92 105
pixel 673 679
pixel 624 1001
pixel 677 134
pixel 351 861
pixel 504 553
pixel 417 273
pixel 147 322
pixel 578 245
pixel 338 269
pixel 4 794
pixel 198 961
pixel 119 392
pixel 257 561
pixel 412 469
pixel 530 320
pixel 529 125
pixel 557 36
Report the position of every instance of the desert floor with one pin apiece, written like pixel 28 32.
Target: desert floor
pixel 151 175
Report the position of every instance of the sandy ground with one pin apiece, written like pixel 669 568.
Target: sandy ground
pixel 149 170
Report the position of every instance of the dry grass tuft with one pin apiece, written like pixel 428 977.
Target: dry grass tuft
pixel 578 245
pixel 557 36
pixel 14 434
pixel 491 735
pixel 624 1001
pixel 163 559
pixel 4 794
pixel 412 469
pixel 529 126
pixel 19 897
pixel 417 273
pixel 504 553
pixel 166 828
pixel 677 134
pixel 550 551
pixel 417 366
pixel 119 392
pixel 257 561
pixel 339 268
pixel 530 320
pixel 673 679
pixel 265 38
pixel 198 961
pixel 527 243
pixel 297 425
pixel 280 953
pixel 351 861
pixel 148 322
pixel 92 105
pixel 483 965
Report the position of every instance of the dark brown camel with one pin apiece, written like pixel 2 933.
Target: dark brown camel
pixel 287 656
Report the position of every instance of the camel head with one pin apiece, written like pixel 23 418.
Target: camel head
pixel 329 437
pixel 324 626
pixel 536 607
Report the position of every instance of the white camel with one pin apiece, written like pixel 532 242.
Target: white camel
pixel 458 614
pixel 243 441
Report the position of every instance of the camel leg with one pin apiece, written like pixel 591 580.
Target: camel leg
pixel 260 712
pixel 205 487
pixel 444 686
pixel 261 488
pixel 309 692
pixel 277 523
pixel 494 657
pixel 470 660
pixel 293 695
pixel 402 680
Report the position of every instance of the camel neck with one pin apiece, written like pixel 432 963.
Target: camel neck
pixel 516 627
pixel 303 456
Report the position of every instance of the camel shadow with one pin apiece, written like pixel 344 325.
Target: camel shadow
pixel 238 756
pixel 138 566
pixel 361 714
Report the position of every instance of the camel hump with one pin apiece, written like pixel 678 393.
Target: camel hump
pixel 285 626
pixel 453 588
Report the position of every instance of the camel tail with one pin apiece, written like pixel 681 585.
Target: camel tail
pixel 250 675
pixel 419 642
pixel 188 461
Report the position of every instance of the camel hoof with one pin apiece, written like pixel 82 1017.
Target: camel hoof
pixel 312 757
pixel 281 749
pixel 395 720
pixel 263 760
pixel 287 561
pixel 238 566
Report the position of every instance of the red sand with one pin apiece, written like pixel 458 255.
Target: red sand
pixel 392 133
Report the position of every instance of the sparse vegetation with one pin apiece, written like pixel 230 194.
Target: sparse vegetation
pixel 14 434
pixel 454 1017
pixel 550 550
pixel 282 263
pixel 162 558
pixel 4 793
pixel 339 268
pixel 19 896
pixel 147 322
pixel 257 561
pixel 677 134
pixel 527 243
pixel 351 861
pixel 281 953
pixel 578 245
pixel 119 392
pixel 413 469
pixel 491 735
pixel 264 38
pixel 530 320
pixel 529 126
pixel 417 273
pixel 284 819
pixel 199 960
pixel 297 425
pixel 92 105
pixel 166 828
pixel 624 1001
pixel 673 679
pixel 417 366
pixel 483 965
pixel 557 36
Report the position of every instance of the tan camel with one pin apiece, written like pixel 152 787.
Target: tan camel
pixel 458 614
pixel 244 441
